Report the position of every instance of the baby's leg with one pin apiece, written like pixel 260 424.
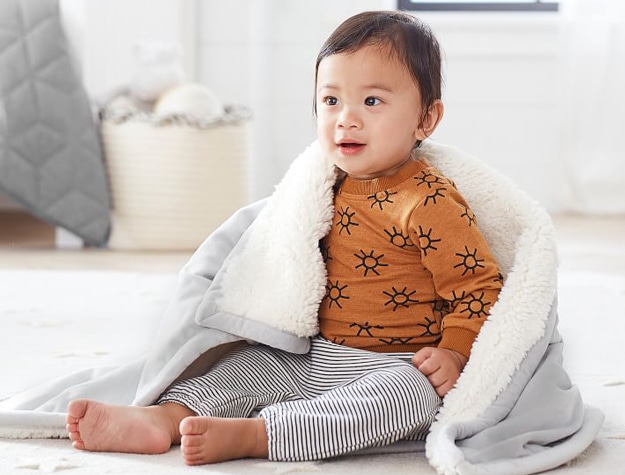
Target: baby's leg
pixel 245 380
pixel 99 427
pixel 215 439
pixel 377 409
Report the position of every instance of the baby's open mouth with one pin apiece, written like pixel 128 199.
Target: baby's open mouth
pixel 351 145
pixel 351 148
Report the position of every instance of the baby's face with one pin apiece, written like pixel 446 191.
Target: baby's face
pixel 368 112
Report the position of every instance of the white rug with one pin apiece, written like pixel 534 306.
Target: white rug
pixel 54 322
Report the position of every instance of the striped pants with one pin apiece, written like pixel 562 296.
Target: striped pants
pixel 331 401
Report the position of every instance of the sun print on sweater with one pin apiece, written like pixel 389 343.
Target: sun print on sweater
pixel 407 265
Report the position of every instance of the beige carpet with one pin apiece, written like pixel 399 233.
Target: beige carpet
pixel 605 457
pixel 55 322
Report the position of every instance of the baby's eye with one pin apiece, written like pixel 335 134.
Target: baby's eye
pixel 372 101
pixel 330 101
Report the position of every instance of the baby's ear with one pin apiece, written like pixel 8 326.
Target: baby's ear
pixel 430 121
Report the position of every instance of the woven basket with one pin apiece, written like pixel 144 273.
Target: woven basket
pixel 174 181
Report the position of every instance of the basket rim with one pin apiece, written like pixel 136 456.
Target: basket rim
pixel 233 114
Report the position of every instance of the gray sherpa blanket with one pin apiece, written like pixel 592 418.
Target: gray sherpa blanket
pixel 260 277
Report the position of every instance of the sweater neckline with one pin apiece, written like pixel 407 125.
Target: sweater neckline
pixel 375 185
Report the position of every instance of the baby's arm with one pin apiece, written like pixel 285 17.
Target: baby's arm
pixel 441 366
pixel 464 273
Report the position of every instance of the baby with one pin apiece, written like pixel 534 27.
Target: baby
pixel 410 282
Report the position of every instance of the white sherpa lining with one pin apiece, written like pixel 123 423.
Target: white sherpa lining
pixel 521 236
pixel 273 272
pixel 283 255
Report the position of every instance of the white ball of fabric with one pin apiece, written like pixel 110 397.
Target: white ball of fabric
pixel 190 99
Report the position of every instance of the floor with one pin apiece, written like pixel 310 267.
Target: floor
pixel 576 235
pixel 28 243
pixel 587 246
pixel 21 229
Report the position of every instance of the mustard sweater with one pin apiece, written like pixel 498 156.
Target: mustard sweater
pixel 407 265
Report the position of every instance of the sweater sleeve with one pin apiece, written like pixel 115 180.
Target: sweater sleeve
pixel 457 255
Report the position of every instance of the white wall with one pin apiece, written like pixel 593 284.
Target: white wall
pixel 104 32
pixel 503 96
pixel 261 53
pixel 503 74
pixel 502 82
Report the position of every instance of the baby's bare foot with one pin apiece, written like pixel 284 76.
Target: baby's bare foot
pixel 101 427
pixel 213 439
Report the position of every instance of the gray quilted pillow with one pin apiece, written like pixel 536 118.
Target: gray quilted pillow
pixel 50 155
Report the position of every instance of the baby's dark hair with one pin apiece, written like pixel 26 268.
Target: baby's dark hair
pixel 405 37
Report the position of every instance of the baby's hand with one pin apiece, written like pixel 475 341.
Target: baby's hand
pixel 441 366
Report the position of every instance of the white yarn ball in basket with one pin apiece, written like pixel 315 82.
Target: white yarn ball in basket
pixel 190 99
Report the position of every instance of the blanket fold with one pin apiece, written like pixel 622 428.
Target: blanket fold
pixel 260 277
